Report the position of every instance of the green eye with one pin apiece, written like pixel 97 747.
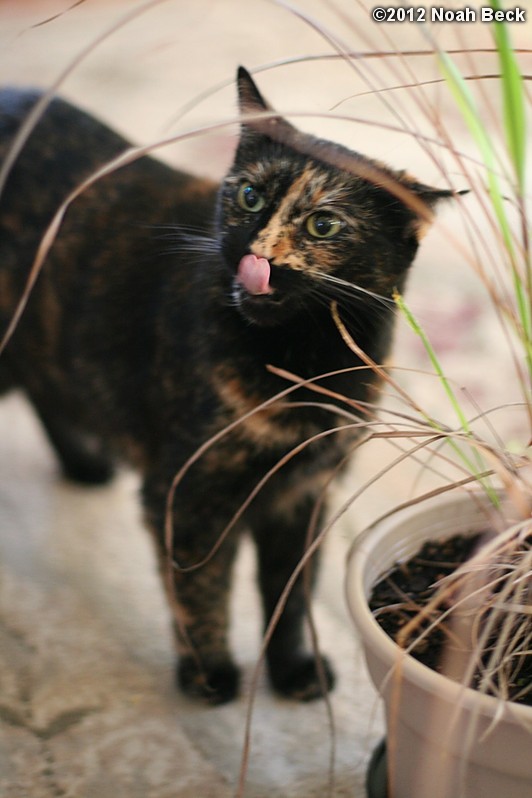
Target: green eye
pixel 323 225
pixel 250 199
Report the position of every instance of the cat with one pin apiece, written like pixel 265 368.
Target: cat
pixel 159 309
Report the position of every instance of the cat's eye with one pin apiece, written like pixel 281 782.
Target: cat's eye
pixel 250 199
pixel 324 225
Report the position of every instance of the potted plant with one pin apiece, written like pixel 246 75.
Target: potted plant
pixel 444 738
pixel 463 726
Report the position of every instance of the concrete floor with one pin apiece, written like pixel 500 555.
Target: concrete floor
pixel 87 703
pixel 88 706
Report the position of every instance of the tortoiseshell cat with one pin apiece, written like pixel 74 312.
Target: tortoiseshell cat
pixel 159 307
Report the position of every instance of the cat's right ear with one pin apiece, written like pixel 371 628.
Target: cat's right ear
pixel 250 99
pixel 257 114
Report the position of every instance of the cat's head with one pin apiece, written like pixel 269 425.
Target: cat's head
pixel 303 221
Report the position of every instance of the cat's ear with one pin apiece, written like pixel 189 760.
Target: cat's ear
pixel 257 114
pixel 250 99
pixel 432 196
pixel 429 197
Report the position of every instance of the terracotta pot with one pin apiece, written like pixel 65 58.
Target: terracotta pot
pixel 443 740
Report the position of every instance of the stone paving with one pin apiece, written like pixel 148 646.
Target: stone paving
pixel 87 702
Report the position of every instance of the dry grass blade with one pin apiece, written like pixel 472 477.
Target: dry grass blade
pixel 59 15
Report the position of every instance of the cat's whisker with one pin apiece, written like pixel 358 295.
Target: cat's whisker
pixel 350 305
pixel 176 230
pixel 348 289
pixel 192 244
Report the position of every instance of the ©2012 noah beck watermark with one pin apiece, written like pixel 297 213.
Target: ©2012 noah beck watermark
pixel 443 14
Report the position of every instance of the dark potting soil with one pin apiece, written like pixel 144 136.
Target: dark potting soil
pixel 409 586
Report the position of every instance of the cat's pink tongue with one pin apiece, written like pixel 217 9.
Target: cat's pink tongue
pixel 254 274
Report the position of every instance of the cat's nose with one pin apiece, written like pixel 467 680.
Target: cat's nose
pixel 254 274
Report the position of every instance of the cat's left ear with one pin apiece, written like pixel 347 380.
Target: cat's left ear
pixel 258 115
pixel 430 197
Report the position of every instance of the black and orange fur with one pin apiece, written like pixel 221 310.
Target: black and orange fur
pixel 139 343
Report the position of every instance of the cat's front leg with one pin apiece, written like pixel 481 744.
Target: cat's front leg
pixel 198 588
pixel 281 530
pixel 82 459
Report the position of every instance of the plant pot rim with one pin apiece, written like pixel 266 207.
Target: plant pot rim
pixel 362 559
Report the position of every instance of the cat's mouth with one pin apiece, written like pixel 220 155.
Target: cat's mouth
pixel 254 274
pixel 258 300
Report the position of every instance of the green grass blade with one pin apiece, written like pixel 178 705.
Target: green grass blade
pixel 515 124
pixel 513 99
pixel 420 332
pixel 467 106
pixel 477 465
pixel 473 119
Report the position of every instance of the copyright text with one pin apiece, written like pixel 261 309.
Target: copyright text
pixel 442 14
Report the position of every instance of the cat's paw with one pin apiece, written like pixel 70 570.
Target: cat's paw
pixel 89 471
pixel 214 683
pixel 301 678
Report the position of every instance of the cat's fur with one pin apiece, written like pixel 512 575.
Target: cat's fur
pixel 141 340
